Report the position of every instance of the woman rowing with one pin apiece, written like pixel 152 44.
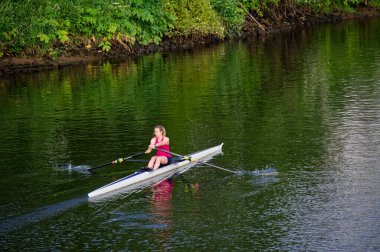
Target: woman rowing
pixel 160 141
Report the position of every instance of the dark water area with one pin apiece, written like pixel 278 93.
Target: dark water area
pixel 305 102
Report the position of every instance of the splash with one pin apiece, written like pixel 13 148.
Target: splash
pixel 77 168
pixel 267 171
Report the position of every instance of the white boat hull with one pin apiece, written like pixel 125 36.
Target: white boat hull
pixel 163 172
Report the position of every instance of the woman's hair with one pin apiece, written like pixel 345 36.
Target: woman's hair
pixel 161 128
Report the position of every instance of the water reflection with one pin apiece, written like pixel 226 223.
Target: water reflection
pixel 162 192
pixel 162 209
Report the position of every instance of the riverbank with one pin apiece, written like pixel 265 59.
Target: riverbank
pixel 272 21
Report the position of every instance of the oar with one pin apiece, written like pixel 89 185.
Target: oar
pixel 195 160
pixel 117 161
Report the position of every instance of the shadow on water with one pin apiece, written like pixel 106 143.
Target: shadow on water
pixel 40 214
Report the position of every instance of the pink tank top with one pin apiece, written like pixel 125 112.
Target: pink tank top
pixel 164 147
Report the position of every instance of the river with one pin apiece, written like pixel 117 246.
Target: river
pixel 306 103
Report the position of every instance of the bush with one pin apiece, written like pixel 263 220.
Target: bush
pixel 194 17
pixel 231 14
pixel 37 27
pixel 41 24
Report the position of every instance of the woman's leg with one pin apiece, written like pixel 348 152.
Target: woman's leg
pixel 160 160
pixel 152 162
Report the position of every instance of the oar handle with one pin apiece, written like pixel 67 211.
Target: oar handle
pixel 191 159
pixel 169 152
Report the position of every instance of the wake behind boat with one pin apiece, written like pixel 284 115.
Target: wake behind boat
pixel 166 171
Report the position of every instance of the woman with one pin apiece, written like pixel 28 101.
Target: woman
pixel 162 142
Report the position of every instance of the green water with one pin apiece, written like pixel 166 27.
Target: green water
pixel 306 103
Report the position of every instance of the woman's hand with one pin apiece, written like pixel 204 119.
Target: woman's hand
pixel 150 148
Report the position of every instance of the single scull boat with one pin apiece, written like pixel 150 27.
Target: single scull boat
pixel 166 171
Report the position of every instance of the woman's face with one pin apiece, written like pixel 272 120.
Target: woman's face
pixel 157 132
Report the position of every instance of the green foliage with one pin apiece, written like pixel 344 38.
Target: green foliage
pixel 374 3
pixel 258 5
pixel 153 21
pixel 43 23
pixel 54 53
pixel 329 5
pixel 231 14
pixel 62 35
pixel 43 38
pixel 194 17
pixel 40 26
pixel 105 45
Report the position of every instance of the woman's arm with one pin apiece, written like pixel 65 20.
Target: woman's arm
pixel 164 142
pixel 151 146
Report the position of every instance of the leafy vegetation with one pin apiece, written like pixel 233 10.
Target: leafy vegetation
pixel 47 27
pixel 194 17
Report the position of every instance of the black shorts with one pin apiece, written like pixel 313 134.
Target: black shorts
pixel 170 161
